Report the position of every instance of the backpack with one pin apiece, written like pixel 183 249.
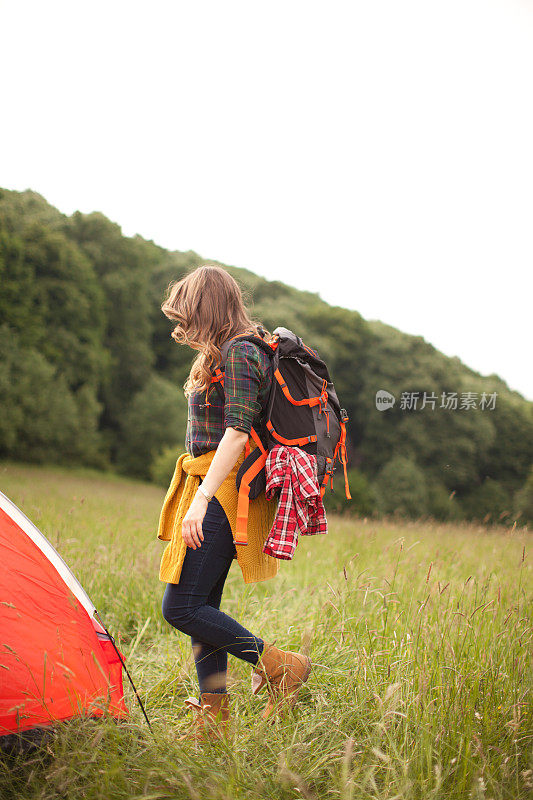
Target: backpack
pixel 302 410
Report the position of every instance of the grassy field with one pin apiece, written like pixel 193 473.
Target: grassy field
pixel 420 637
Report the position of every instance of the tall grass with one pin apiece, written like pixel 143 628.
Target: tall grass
pixel 420 637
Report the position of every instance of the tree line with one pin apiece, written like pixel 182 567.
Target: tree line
pixel 90 376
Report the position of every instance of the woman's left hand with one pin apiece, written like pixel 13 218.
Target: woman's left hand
pixel 191 528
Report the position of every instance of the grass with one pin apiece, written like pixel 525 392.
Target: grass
pixel 420 637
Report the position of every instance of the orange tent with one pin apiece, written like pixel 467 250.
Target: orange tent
pixel 56 660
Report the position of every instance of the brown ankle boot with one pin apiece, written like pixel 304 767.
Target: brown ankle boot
pixel 284 672
pixel 212 716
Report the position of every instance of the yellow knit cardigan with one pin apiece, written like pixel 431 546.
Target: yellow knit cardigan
pixel 255 565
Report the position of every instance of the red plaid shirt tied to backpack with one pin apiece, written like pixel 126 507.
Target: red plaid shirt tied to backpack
pixel 293 472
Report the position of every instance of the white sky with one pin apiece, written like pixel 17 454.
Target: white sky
pixel 380 153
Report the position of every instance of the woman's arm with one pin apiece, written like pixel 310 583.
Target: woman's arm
pixel 228 451
pixel 242 380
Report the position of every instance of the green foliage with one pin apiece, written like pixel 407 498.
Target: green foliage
pixel 172 361
pixel 124 268
pixel 164 464
pixel 54 301
pixel 401 489
pixel 509 456
pixel 441 503
pixel 451 445
pixel 363 501
pixel 489 502
pixel 42 418
pixel 343 341
pixel 523 501
pixel 17 296
pixel 156 418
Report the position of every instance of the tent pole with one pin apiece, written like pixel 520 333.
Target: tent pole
pixel 126 669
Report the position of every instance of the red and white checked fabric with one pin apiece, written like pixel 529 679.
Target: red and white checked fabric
pixel 293 471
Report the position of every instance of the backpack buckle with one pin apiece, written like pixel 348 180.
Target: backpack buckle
pixel 344 415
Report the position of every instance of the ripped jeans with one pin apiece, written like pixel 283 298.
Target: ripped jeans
pixel 193 605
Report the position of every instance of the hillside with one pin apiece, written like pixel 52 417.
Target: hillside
pixel 89 374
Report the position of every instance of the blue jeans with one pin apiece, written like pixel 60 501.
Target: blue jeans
pixel 193 605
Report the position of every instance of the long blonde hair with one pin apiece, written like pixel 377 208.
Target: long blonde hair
pixel 209 308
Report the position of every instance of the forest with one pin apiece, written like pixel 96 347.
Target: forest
pixel 90 376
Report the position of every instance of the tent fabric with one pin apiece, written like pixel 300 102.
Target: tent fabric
pixel 56 660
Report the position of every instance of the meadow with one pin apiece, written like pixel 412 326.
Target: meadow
pixel 420 636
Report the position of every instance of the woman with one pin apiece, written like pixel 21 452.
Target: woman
pixel 198 518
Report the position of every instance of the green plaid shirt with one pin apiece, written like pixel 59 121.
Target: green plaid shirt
pixel 247 381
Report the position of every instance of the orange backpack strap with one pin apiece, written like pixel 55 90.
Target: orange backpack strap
pixel 290 442
pixel 342 452
pixel 255 436
pixel 243 502
pixel 327 477
pixel 307 401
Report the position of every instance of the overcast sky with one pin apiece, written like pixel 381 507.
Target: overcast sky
pixel 379 153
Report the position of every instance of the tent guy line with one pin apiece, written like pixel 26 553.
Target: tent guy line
pixel 126 670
